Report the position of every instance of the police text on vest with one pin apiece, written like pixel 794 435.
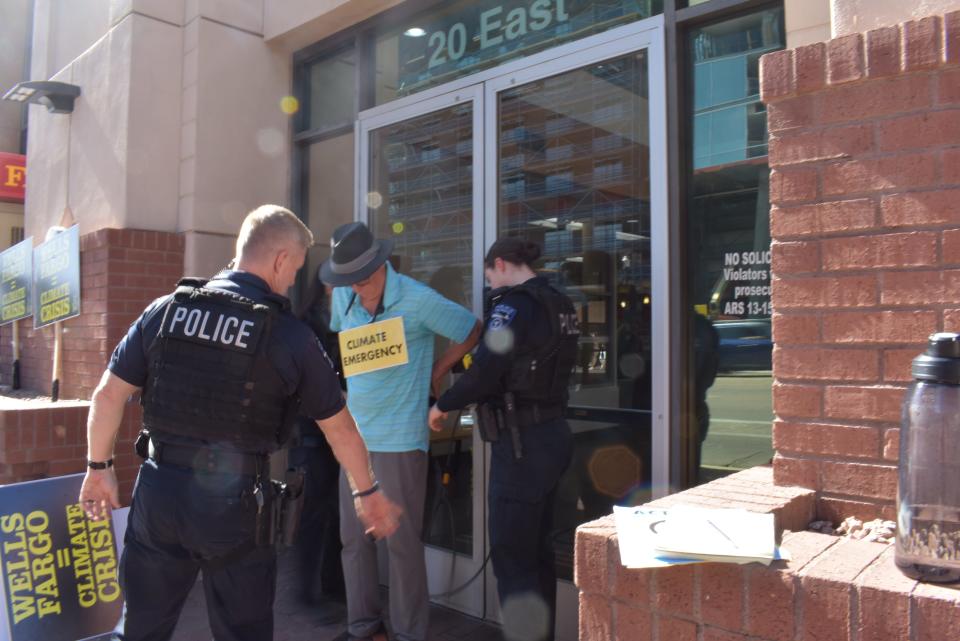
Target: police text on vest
pixel 198 323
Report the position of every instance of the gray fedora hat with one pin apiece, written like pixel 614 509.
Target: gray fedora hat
pixel 355 255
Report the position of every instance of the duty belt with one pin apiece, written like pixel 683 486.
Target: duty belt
pixel 207 459
pixel 534 414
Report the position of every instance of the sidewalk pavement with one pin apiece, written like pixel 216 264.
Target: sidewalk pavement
pixel 294 621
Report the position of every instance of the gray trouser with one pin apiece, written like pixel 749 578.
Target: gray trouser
pixel 403 478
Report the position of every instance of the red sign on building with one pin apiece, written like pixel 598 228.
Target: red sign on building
pixel 13 177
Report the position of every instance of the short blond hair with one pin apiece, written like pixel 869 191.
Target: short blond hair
pixel 271 228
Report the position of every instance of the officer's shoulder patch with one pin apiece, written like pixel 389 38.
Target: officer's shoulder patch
pixel 501 316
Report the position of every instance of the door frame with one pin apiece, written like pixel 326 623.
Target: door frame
pixel 482 88
pixel 649 38
pixel 446 569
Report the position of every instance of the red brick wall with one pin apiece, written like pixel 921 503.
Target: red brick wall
pixel 121 272
pixel 45 440
pixel 865 222
pixel 832 589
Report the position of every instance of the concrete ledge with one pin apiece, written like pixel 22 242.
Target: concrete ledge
pixel 833 588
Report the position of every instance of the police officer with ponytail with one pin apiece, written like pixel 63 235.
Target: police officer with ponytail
pixel 224 369
pixel 519 380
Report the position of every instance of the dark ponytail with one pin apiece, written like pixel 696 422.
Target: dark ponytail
pixel 513 250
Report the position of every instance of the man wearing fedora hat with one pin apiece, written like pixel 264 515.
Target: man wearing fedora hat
pixel 390 405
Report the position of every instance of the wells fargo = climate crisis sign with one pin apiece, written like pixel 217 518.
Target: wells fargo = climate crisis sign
pixel 59 568
pixel 56 274
pixel 16 271
pixel 372 347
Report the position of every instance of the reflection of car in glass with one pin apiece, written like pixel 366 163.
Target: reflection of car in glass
pixel 745 344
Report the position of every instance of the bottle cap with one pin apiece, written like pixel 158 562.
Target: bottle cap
pixel 941 361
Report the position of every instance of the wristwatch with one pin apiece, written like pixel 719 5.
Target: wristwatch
pixel 100 465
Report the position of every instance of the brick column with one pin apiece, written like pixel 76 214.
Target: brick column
pixel 865 222
pixel 122 270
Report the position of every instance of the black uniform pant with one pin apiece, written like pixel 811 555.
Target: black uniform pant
pixel 522 495
pixel 318 542
pixel 181 523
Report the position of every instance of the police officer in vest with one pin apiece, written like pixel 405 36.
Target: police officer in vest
pixel 224 368
pixel 519 380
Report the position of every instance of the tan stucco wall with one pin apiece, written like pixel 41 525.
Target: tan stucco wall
pixel 294 24
pixel 240 137
pixel 14 20
pixel 855 16
pixel 62 30
pixel 178 126
pixel 807 21
pixel 113 161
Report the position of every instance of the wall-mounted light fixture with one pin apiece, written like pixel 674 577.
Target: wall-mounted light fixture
pixel 57 97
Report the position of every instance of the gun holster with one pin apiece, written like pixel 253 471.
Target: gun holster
pixel 511 423
pixel 291 505
pixel 487 423
pixel 264 494
pixel 142 445
pixel 279 517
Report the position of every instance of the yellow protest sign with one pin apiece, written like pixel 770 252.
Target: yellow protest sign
pixel 372 347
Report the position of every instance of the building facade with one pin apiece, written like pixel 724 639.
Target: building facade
pixel 14 56
pixel 628 137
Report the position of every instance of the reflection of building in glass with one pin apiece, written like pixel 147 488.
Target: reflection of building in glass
pixel 424 168
pixel 730 184
pixel 573 167
pixel 729 243
pixel 729 121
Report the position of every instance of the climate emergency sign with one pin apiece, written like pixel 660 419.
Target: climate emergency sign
pixel 373 347
pixel 59 568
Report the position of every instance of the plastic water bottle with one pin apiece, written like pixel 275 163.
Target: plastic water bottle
pixel 928 499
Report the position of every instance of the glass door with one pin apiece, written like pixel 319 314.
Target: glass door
pixel 566 147
pixel 575 162
pixel 419 183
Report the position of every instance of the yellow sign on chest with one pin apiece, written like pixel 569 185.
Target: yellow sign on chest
pixel 373 347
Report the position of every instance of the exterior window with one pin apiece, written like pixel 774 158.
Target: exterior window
pixel 325 150
pixel 729 247
pixel 329 174
pixel 332 91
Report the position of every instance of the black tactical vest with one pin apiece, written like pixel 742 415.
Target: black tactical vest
pixel 210 374
pixel 542 375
